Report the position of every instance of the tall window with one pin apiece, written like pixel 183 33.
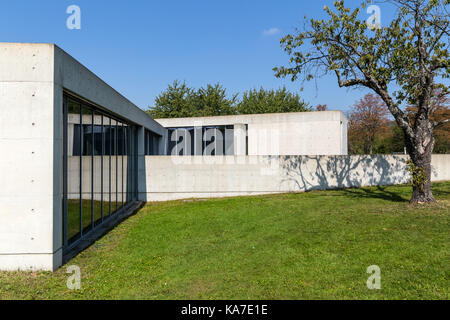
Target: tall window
pixel 152 141
pixel 99 168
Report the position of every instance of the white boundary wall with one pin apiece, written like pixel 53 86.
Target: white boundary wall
pixel 170 178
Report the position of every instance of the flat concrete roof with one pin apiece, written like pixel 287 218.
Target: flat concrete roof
pixel 307 116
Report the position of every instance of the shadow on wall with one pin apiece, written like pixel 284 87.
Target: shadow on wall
pixel 304 173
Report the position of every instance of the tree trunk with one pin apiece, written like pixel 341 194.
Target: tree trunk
pixel 422 191
pixel 420 151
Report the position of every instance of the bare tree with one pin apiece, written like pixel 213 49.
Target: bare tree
pixel 367 120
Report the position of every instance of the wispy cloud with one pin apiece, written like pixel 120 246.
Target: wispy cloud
pixel 271 32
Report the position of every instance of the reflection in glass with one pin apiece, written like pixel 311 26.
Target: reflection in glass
pixel 129 165
pixel 99 161
pixel 106 166
pixel 98 166
pixel 120 144
pixel 87 166
pixel 113 166
pixel 125 164
pixel 73 171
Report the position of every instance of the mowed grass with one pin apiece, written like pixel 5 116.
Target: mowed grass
pixel 314 245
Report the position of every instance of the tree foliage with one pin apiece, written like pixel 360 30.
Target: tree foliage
pixel 389 137
pixel 368 120
pixel 179 100
pixel 271 101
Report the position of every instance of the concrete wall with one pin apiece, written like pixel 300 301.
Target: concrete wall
pixel 301 133
pixel 171 178
pixel 31 143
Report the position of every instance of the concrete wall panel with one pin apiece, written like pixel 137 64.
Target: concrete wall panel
pixel 171 178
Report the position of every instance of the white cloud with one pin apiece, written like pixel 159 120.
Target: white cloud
pixel 271 32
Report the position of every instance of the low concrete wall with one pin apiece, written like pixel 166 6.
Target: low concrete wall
pixel 170 178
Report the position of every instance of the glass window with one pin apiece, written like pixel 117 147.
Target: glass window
pixel 73 186
pixel 106 189
pixel 97 167
pixel 129 183
pixel 121 145
pixel 229 140
pixel 99 164
pixel 209 141
pixel 87 169
pixel 151 143
pixel 114 161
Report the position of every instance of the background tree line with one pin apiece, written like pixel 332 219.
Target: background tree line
pixel 179 100
pixel 371 129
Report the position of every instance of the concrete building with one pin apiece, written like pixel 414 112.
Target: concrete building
pixel 297 133
pixel 75 151
pixel 78 157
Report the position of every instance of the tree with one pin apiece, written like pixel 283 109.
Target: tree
pixel 396 141
pixel 402 62
pixel 178 101
pixel 367 121
pixel 175 102
pixel 271 101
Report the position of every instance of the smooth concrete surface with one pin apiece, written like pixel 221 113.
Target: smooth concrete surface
pixel 29 191
pixel 299 133
pixel 170 178
pixel 440 167
pixel 31 262
pixel 33 78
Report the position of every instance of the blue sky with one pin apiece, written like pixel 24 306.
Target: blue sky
pixel 139 47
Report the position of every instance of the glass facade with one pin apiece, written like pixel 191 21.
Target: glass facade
pixel 152 141
pixel 208 140
pixel 99 167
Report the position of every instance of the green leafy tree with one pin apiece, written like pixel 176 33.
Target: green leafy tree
pixel 176 101
pixel 396 141
pixel 403 62
pixel 213 101
pixel 179 101
pixel 271 101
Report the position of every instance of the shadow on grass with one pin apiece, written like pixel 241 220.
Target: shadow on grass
pixel 439 192
pixel 379 192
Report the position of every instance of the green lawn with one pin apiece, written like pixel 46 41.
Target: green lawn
pixel 314 245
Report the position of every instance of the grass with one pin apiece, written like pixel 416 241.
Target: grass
pixel 314 245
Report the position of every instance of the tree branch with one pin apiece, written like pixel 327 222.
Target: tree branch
pixel 440 123
pixel 350 82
